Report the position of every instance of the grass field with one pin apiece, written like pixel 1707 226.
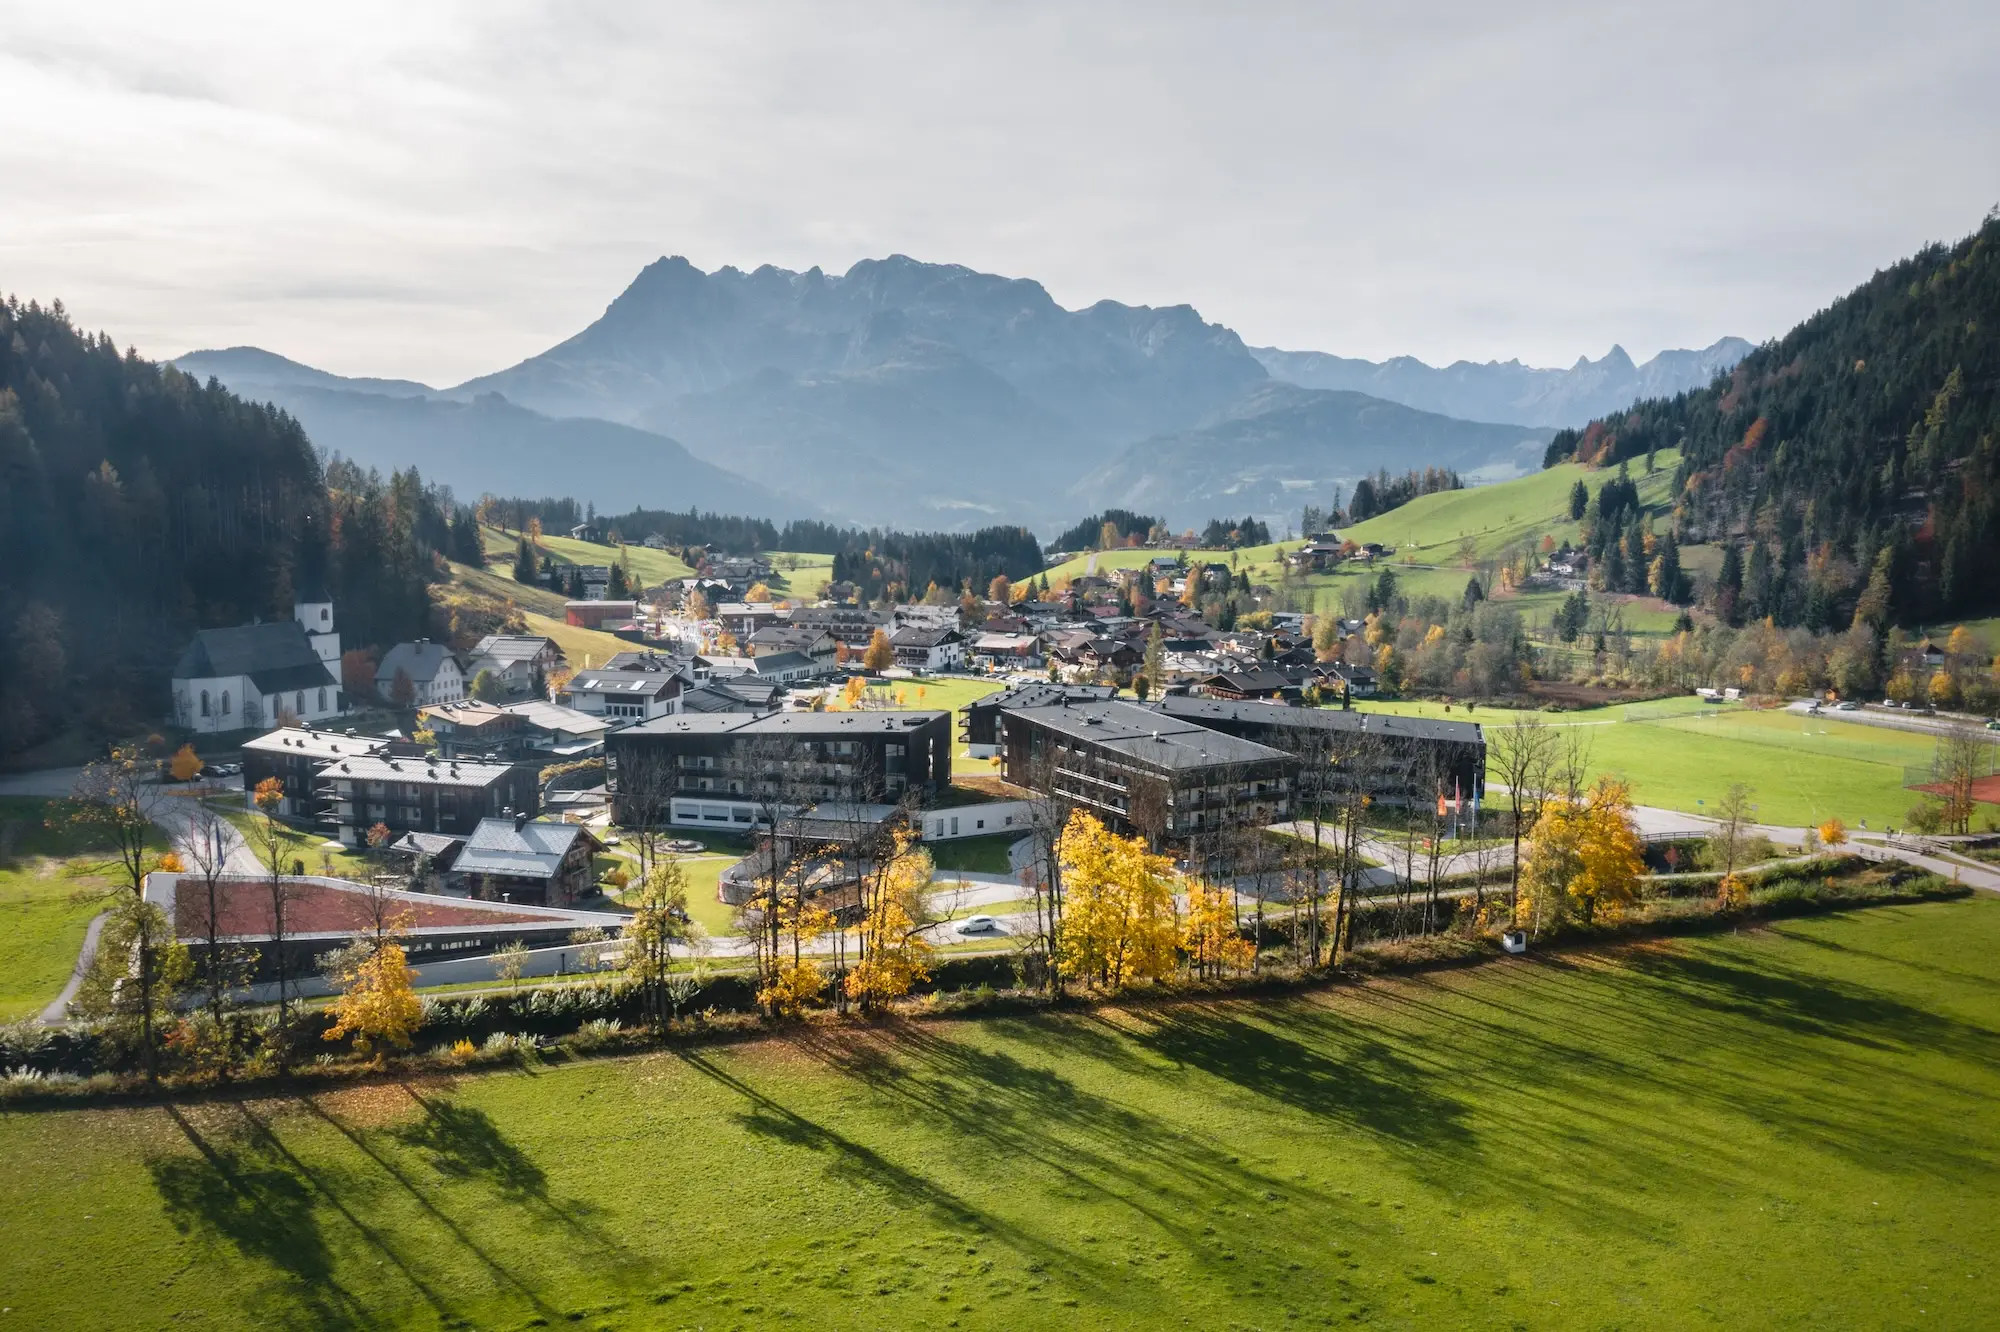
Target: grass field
pixel 1803 769
pixel 1786 1127
pixel 302 843
pixel 51 884
pixel 651 567
pixel 980 855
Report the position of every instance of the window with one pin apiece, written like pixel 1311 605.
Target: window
pixel 225 702
pixel 299 702
pixel 204 702
pixel 322 700
pixel 325 614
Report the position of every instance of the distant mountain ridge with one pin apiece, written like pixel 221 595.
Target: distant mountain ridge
pixel 1271 455
pixel 1508 390
pixel 487 443
pixel 906 394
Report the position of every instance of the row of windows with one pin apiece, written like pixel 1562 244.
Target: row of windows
pixel 298 703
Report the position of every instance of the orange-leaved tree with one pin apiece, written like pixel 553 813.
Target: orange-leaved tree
pixel 378 1004
pixel 1209 936
pixel 1118 906
pixel 1833 833
pixel 879 655
pixel 185 765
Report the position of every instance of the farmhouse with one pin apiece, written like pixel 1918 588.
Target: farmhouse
pixel 597 614
pixel 924 648
pixel 257 674
pixel 522 860
pixel 426 670
pixel 515 660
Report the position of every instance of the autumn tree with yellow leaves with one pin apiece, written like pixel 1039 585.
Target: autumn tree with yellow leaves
pixel 378 1004
pixel 1584 859
pixel 879 656
pixel 894 954
pixel 1118 912
pixel 1209 935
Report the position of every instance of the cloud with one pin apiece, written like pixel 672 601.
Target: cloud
pixel 437 191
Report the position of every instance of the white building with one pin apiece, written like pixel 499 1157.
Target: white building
pixel 256 675
pixel 434 674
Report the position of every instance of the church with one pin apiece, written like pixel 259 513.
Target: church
pixel 262 675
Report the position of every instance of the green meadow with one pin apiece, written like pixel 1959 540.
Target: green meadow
pixel 1785 1127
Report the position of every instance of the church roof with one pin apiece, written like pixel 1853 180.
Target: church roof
pixel 276 656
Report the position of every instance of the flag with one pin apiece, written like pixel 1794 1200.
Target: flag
pixel 1440 802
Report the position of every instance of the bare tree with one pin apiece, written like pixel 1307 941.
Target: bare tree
pixel 1570 767
pixel 268 840
pixel 1733 818
pixel 205 846
pixel 1962 756
pixel 1355 761
pixel 1521 756
pixel 116 799
pixel 1048 817
pixel 644 785
pixel 779 777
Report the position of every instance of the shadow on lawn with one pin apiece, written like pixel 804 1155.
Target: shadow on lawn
pixel 258 1201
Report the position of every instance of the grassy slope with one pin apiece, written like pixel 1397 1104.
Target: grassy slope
pixel 1803 769
pixel 1428 531
pixel 1775 1128
pixel 652 567
pixel 50 887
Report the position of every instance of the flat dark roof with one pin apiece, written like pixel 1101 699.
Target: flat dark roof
pixel 1331 719
pixel 1148 736
pixel 806 725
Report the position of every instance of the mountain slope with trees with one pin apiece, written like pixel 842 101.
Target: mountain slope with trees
pixel 1851 469
pixel 138 504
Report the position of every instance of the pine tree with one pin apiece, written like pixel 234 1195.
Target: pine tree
pixel 524 563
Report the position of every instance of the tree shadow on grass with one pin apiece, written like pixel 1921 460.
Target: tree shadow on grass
pixel 244 1195
pixel 1808 1004
pixel 464 1143
pixel 849 1160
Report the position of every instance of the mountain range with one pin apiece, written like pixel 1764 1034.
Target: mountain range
pixel 931 395
pixel 1508 390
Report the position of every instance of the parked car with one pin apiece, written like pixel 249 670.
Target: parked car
pixel 1849 706
pixel 977 924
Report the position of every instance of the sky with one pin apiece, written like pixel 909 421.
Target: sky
pixel 436 191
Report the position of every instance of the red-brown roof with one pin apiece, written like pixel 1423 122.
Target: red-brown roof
pixel 244 906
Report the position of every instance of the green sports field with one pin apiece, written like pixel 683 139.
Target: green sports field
pixel 1685 754
pixel 1779 1128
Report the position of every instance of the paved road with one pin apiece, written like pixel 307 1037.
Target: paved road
pixel 1896 719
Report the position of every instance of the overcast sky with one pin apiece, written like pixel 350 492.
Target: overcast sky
pixel 434 192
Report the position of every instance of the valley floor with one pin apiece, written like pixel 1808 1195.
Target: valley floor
pixel 1786 1127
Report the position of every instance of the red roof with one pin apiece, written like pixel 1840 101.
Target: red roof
pixel 244 906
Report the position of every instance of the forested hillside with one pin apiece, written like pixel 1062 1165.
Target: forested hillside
pixel 138 504
pixel 1850 469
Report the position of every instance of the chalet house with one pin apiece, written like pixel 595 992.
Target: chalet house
pixel 811 642
pixel 631 694
pixel 745 619
pixel 552 732
pixel 921 648
pixel 780 668
pixel 584 532
pixel 724 768
pixel 1255 682
pixel 514 660
pixel 1315 556
pixel 1359 681
pixel 744 569
pixel 434 675
pixel 255 674
pixel 471 729
pixel 521 860
pixel 654 541
pixel 293 755
pixel 1007 651
pixel 921 616
pixel 436 795
pixel 737 693
pixel 852 625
